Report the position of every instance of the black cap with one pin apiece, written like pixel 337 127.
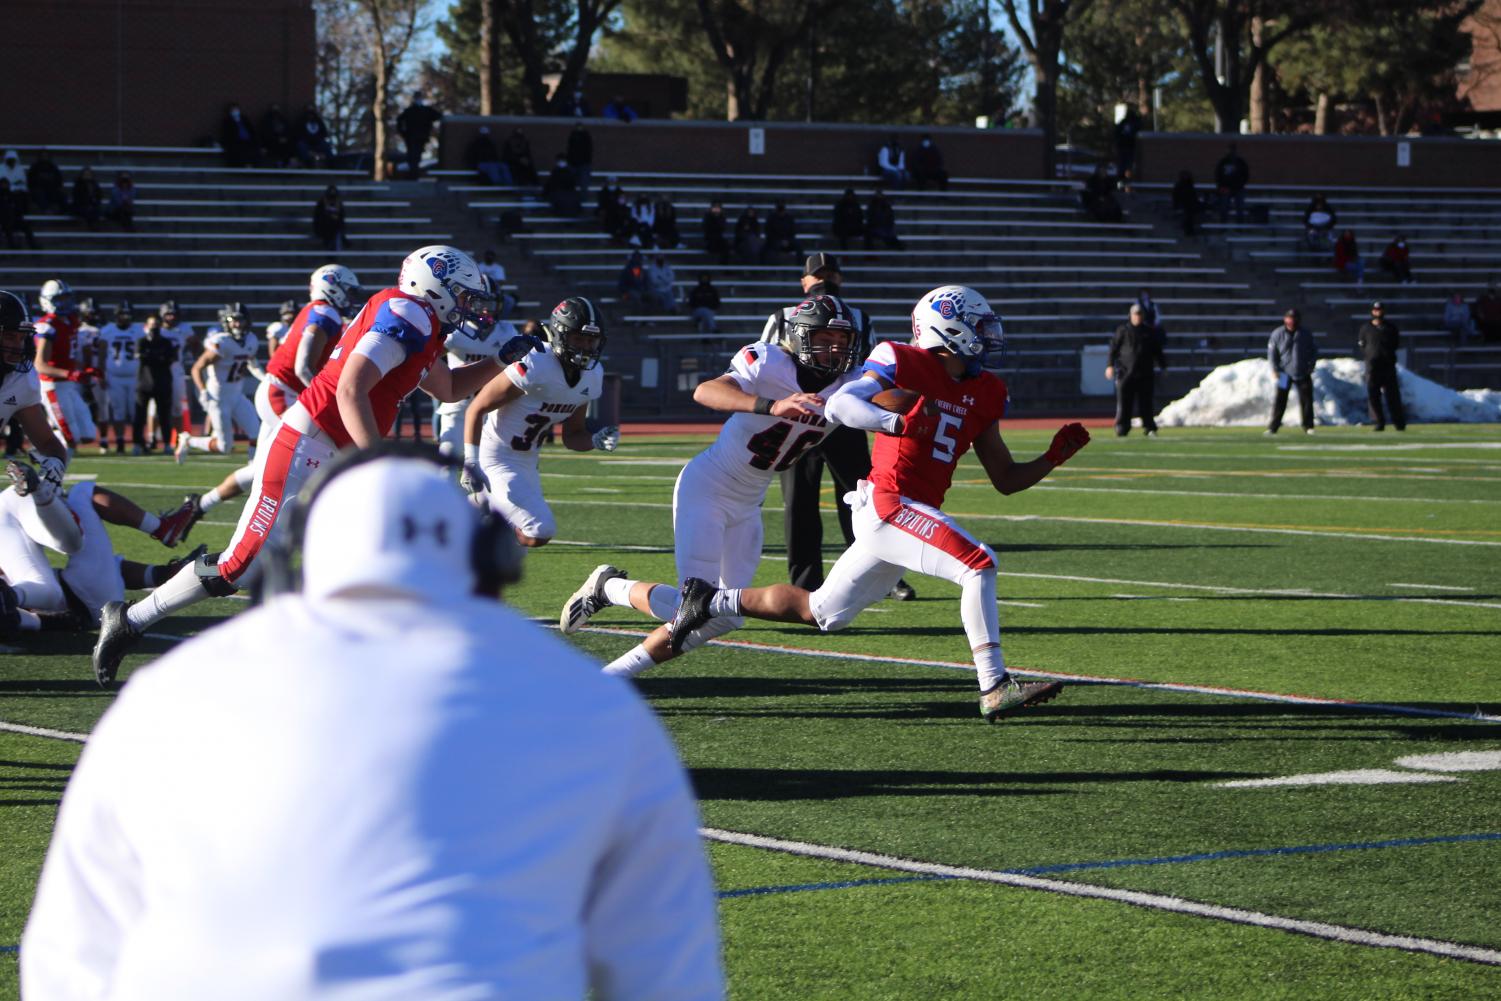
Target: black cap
pixel 1377 305
pixel 1292 311
pixel 820 262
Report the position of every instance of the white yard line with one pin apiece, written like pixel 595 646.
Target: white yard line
pixel 1151 901
pixel 42 731
pixel 1433 587
pixel 1356 498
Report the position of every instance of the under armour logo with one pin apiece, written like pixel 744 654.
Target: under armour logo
pixel 315 463
pixel 969 400
pixel 410 530
pixel 10 401
pixel 585 391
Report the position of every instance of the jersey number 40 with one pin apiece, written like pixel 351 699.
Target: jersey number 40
pixel 767 445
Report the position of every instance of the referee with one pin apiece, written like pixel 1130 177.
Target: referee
pixel 844 450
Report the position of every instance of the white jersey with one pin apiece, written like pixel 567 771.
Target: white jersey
pixel 19 390
pixel 88 337
pixel 516 427
pixel 179 335
pixel 752 448
pixel 120 346
pixel 465 349
pixel 235 357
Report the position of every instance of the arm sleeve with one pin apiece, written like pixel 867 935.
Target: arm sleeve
pixel 850 405
pixel 650 924
pixel 383 349
pixel 1115 349
pixel 303 363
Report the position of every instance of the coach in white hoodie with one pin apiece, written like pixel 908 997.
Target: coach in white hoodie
pixel 382 787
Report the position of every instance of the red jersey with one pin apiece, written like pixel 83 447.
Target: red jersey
pixel 283 364
pixel 392 315
pixel 62 332
pixel 922 469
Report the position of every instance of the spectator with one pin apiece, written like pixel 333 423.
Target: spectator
pixel 661 291
pixel 1150 311
pixel 158 353
pixel 581 155
pixel 748 238
pixel 237 138
pixel 484 159
pixel 891 163
pixel 328 220
pixel 1395 260
pixel 1292 353
pixel 622 224
pixel 1487 313
pixel 927 165
pixel 1318 223
pixel 703 305
pixel 45 182
pixel 1459 318
pixel 781 233
pixel 13 222
pixel 1134 350
pixel 516 154
pixel 415 126
pixel 1347 260
pixel 849 219
pixel 496 272
pixel 1379 342
pixel 312 143
pixel 88 200
pixel 122 201
pixel 1187 205
pixel 1098 196
pixel 665 228
pixel 574 105
pixel 1126 131
pixel 630 286
pixel 880 222
pixel 643 218
pixel 618 110
pixel 562 189
pixel 1231 175
pixel 12 171
pixel 714 224
pixel 276 136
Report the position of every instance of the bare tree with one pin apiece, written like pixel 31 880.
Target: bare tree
pixel 1047 21
pixel 751 44
pixel 393 23
pixel 489 58
pixel 526 26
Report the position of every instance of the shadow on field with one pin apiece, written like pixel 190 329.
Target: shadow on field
pixel 30 802
pixel 44 687
pixel 700 687
pixel 845 783
pixel 948 631
pixel 1057 547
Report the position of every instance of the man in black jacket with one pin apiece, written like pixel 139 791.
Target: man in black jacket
pixel 1230 177
pixel 1134 350
pixel 415 126
pixel 1379 341
pixel 157 353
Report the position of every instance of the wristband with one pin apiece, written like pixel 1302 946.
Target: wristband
pixel 471 454
pixel 763 405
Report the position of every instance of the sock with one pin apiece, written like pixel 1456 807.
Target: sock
pixel 209 500
pixel 149 523
pixel 245 475
pixel 991 667
pixel 30 620
pixel 203 443
pixel 631 663
pixel 726 601
pixel 663 601
pixel 182 590
pixel 618 592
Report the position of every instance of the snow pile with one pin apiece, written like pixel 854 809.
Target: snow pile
pixel 1242 394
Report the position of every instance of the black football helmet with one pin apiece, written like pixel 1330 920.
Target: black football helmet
pixel 821 312
pixel 574 333
pixel 124 313
pixel 234 321
pixel 15 334
pixel 168 308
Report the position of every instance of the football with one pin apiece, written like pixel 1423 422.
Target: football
pixel 898 401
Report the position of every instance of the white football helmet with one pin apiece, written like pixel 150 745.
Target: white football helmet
pixel 56 296
pixel 449 281
pixel 958 319
pixel 336 285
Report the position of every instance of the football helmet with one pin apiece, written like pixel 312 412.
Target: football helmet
pixel 124 313
pixel 957 319
pixel 821 312
pixel 574 333
pixel 15 334
pixel 234 321
pixel 336 285
pixel 449 281
pixel 168 308
pixel 56 296
pixel 88 310
pixel 288 310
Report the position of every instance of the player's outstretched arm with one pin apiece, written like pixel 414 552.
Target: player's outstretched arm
pixel 724 394
pixel 1009 476
pixel 352 395
pixel 196 372
pixel 850 405
pixel 33 421
pixel 576 434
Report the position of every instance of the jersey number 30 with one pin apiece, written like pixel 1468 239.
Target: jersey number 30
pixel 766 445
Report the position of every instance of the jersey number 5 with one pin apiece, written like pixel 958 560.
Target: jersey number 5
pixel 765 446
pixel 943 439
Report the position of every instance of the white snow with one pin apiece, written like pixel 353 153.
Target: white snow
pixel 1242 393
pixel 1356 777
pixel 1454 761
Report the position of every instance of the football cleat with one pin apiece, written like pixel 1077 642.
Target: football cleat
pixel 23 477
pixel 10 611
pixel 902 591
pixel 180 446
pixel 589 599
pixel 693 611
pixel 1011 695
pixel 116 637
pixel 175 525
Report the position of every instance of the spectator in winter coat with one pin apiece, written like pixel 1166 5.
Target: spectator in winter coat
pixel 311 138
pixel 328 220
pixel 748 238
pixel 927 165
pixel 643 218
pixel 415 126
pixel 1126 131
pixel 12 171
pixel 581 155
pixel 703 305
pixel 781 233
pixel 1292 353
pixel 237 138
pixel 849 219
pixel 484 158
pixel 1395 260
pixel 45 183
pixel 891 162
pixel 1231 175
pixel 1459 319
pixel 1135 350
pixel 88 200
pixel 1098 197
pixel 13 222
pixel 880 222
pixel 714 224
pixel 604 206
pixel 276 136
pixel 1379 341
pixel 630 285
pixel 1347 260
pixel 1487 314
pixel 665 227
pixel 1187 204
pixel 1318 223
pixel 122 201
pixel 661 290
pixel 562 190
pixel 516 154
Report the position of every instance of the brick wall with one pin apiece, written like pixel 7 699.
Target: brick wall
pixel 1331 160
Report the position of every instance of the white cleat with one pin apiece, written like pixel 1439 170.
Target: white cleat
pixel 589 599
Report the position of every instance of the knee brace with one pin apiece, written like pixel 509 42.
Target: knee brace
pixel 206 568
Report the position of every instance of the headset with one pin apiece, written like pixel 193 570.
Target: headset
pixel 495 555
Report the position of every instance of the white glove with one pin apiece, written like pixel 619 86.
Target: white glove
pixel 206 398
pixel 607 439
pixel 51 469
pixel 473 478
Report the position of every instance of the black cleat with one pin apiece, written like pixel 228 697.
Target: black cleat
pixel 23 477
pixel 902 591
pixel 116 637
pixel 693 611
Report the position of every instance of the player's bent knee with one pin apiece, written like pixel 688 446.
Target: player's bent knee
pixel 215 583
pixel 45 595
pixel 532 541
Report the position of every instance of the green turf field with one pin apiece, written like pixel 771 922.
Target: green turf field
pixel 1090 847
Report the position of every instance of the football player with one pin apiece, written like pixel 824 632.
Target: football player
pixel 118 341
pixel 219 374
pixel 60 365
pixel 277 328
pixel 392 346
pixel 476 340
pixel 506 422
pixel 775 396
pixel 899 524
